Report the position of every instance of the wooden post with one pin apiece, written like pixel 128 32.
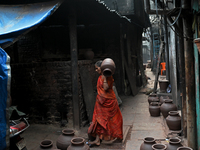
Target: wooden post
pixel 74 66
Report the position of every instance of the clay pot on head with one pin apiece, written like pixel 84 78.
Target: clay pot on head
pixel 162 98
pixel 154 109
pixel 167 106
pixel 46 145
pixel 78 143
pixel 153 98
pixel 184 148
pixel 159 147
pixel 173 120
pixel 174 143
pixel 108 67
pixel 147 144
pixel 64 140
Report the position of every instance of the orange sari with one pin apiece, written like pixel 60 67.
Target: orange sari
pixel 107 118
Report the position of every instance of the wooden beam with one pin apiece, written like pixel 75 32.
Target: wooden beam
pixel 74 67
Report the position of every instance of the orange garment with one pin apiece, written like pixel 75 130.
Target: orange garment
pixel 107 118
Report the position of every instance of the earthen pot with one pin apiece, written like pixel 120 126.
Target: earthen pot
pixel 154 109
pixel 159 147
pixel 64 140
pixel 162 98
pixel 163 85
pixel 184 148
pixel 173 120
pixel 153 98
pixel 167 106
pixel 89 54
pixel 78 143
pixel 46 145
pixel 108 67
pixel 174 143
pixel 147 144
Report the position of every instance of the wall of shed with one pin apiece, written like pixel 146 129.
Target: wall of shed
pixel 41 70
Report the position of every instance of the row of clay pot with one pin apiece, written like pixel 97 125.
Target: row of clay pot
pixel 66 141
pixel 174 144
pixel 168 110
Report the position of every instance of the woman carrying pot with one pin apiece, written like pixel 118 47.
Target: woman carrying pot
pixel 107 121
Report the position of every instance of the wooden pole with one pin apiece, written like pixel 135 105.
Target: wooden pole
pixel 74 66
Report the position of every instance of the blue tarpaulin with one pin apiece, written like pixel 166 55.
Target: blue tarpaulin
pixel 4 97
pixel 15 20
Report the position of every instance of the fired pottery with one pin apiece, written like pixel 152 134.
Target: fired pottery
pixel 154 109
pixel 64 140
pixel 167 106
pixel 184 148
pixel 153 98
pixel 174 143
pixel 78 143
pixel 108 67
pixel 173 120
pixel 159 147
pixel 163 85
pixel 197 42
pixel 46 145
pixel 89 54
pixel 162 98
pixel 147 144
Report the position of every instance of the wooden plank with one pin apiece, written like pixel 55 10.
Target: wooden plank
pixel 131 78
pixel 88 93
pixel 74 67
pixel 158 66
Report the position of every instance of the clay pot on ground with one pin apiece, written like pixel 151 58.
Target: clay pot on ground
pixel 147 144
pixel 173 120
pixel 89 54
pixel 64 140
pixel 108 67
pixel 167 106
pixel 78 143
pixel 197 42
pixel 174 143
pixel 162 98
pixel 154 109
pixel 159 147
pixel 153 98
pixel 184 148
pixel 46 145
pixel 163 85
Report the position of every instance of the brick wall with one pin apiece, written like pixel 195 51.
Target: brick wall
pixel 43 90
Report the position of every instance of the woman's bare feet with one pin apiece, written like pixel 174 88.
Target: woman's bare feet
pixel 95 142
pixel 109 142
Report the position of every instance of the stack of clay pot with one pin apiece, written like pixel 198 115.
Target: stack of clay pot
pixel 153 98
pixel 167 106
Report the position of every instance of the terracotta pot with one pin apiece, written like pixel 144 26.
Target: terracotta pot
pixel 108 67
pixel 162 98
pixel 78 143
pixel 174 143
pixel 173 120
pixel 163 85
pixel 167 106
pixel 159 147
pixel 153 98
pixel 64 140
pixel 184 148
pixel 46 145
pixel 154 109
pixel 89 54
pixel 147 144
pixel 197 42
